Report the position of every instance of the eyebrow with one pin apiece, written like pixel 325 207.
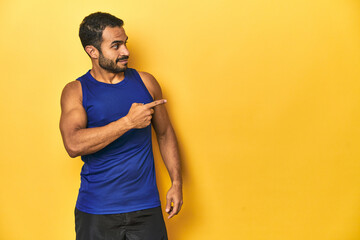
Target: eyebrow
pixel 117 41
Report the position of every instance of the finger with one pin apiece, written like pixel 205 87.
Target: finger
pixel 168 205
pixel 148 112
pixel 175 210
pixel 148 120
pixel 180 205
pixel 155 103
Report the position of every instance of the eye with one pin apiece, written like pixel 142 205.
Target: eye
pixel 116 46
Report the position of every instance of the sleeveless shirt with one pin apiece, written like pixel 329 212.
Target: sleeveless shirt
pixel 120 177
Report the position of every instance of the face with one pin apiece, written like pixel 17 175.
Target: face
pixel 114 53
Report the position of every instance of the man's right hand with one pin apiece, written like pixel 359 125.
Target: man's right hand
pixel 140 115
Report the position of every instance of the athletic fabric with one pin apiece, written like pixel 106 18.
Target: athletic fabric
pixel 119 178
pixel 139 225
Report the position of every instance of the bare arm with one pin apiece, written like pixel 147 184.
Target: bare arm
pixel 168 146
pixel 78 139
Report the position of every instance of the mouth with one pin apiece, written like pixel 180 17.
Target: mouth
pixel 122 60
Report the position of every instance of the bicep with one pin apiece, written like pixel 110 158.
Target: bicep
pixel 160 121
pixel 73 115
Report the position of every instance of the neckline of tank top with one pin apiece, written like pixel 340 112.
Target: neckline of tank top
pixel 122 83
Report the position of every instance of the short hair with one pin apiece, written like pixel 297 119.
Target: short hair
pixel 92 27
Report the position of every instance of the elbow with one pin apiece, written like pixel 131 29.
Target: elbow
pixel 73 151
pixel 73 154
pixel 161 137
pixel 166 136
pixel 165 133
pixel 72 147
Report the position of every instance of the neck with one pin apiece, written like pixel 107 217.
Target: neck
pixel 105 76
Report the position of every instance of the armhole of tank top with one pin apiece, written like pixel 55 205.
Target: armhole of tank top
pixel 83 94
pixel 138 77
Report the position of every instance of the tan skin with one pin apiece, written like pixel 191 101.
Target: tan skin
pixel 79 140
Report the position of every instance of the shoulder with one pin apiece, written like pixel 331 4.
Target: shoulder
pixel 145 76
pixel 151 84
pixel 72 91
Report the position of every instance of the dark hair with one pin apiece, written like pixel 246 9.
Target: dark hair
pixel 92 27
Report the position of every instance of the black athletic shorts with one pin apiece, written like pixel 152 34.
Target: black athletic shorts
pixel 145 224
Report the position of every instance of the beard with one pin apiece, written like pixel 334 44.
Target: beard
pixel 110 65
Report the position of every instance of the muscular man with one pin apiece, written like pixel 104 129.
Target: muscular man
pixel 106 119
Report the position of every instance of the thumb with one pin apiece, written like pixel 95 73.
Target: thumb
pixel 168 205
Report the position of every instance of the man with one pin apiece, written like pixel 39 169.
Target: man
pixel 106 119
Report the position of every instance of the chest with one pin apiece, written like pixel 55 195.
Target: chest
pixel 108 104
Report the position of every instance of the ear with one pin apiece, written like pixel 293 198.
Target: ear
pixel 92 51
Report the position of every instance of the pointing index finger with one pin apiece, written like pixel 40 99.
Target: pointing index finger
pixel 155 103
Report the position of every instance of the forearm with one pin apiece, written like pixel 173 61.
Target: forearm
pixel 89 140
pixel 170 153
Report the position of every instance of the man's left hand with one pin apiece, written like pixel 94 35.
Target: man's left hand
pixel 174 200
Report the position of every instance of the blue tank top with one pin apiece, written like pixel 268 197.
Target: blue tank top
pixel 120 177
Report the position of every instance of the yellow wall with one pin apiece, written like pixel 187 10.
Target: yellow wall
pixel 264 96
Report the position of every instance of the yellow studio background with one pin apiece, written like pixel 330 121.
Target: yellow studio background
pixel 264 97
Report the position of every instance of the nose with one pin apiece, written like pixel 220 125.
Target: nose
pixel 124 51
